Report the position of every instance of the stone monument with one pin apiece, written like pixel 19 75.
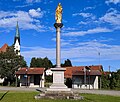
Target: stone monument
pixel 58 72
pixel 58 90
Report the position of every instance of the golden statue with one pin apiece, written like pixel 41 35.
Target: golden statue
pixel 58 15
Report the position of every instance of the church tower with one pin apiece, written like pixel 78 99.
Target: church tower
pixel 17 41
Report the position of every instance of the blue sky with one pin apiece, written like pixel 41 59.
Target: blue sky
pixel 90 27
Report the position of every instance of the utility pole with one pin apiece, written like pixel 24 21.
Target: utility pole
pixel 85 76
pixel 99 57
pixel 109 68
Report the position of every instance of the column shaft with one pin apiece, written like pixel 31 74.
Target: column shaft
pixel 58 51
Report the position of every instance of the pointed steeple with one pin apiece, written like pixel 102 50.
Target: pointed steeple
pixel 17 30
pixel 17 40
pixel 17 34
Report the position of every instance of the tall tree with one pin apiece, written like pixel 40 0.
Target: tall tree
pixel 67 63
pixel 105 81
pixel 9 63
pixel 41 62
pixel 33 62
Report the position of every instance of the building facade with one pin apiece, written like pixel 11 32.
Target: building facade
pixel 31 77
pixel 84 77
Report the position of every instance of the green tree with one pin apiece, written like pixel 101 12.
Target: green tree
pixel 47 63
pixel 41 62
pixel 115 80
pixel 33 62
pixel 67 63
pixel 118 79
pixel 105 81
pixel 9 63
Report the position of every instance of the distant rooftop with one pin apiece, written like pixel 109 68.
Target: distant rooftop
pixel 28 71
pixel 4 48
pixel 79 70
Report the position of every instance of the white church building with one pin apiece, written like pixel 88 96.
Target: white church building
pixel 16 47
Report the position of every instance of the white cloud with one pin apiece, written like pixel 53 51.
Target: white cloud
pixel 64 43
pixel 38 52
pixel 90 31
pixel 80 14
pixel 48 1
pixel 84 23
pixel 21 6
pixel 35 13
pixel 87 51
pixel 89 8
pixel 28 1
pixel 112 1
pixel 85 15
pixel 26 20
pixel 69 29
pixel 112 17
pixel 33 1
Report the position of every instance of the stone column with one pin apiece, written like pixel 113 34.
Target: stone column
pixel 58 72
pixel 58 51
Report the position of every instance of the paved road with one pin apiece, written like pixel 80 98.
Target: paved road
pixel 19 88
pixel 105 92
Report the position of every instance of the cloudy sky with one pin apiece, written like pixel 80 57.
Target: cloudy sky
pixel 90 35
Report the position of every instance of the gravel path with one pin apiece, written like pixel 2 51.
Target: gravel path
pixel 104 92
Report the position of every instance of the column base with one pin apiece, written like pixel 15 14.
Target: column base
pixel 58 87
pixel 58 80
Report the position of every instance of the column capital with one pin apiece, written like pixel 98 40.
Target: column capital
pixel 56 25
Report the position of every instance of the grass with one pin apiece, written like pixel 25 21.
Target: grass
pixel 100 98
pixel 19 96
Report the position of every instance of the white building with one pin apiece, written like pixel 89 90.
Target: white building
pixel 84 77
pixel 31 77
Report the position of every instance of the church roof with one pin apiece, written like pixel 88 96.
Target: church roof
pixel 4 48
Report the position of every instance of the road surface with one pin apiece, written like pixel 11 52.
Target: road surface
pixel 104 92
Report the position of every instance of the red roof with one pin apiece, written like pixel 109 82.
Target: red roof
pixel 30 71
pixel 3 48
pixel 69 70
pixel 21 71
pixel 92 72
pixel 97 67
pixel 107 73
pixel 68 73
pixel 79 70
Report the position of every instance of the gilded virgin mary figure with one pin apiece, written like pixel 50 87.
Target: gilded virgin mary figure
pixel 58 15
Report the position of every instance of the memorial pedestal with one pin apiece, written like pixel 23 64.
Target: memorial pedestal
pixel 58 80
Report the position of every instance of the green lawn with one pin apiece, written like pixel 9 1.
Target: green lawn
pixel 14 96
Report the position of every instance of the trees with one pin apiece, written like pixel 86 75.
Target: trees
pixel 115 80
pixel 9 63
pixel 41 62
pixel 46 63
pixel 67 63
pixel 105 81
pixel 111 82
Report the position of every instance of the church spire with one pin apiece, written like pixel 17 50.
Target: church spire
pixel 17 34
pixel 17 30
pixel 17 40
